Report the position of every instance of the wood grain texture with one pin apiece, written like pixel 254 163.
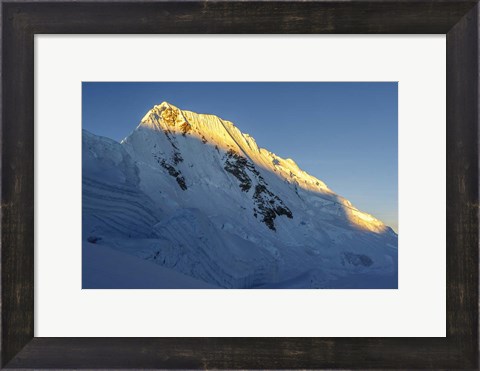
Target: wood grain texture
pixel 21 20
pixel 17 187
pixel 238 353
pixel 463 182
pixel 272 17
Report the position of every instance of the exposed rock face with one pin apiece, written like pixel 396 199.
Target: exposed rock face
pixel 236 165
pixel 266 203
pixel 269 205
pixel 174 172
pixel 173 117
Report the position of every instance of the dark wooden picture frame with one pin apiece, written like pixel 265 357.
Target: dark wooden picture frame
pixel 21 20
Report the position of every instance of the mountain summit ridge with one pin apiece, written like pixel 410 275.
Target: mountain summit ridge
pixel 210 128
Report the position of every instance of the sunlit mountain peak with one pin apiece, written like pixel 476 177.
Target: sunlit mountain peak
pixel 181 126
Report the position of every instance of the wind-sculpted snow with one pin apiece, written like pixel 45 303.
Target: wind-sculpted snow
pixel 193 194
pixel 111 199
pixel 193 245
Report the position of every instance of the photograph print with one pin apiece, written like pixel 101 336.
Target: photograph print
pixel 240 185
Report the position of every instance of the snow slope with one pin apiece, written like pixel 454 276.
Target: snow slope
pixel 106 268
pixel 192 193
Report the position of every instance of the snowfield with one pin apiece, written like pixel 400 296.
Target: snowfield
pixel 189 201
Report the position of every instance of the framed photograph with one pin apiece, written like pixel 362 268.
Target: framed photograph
pixel 239 185
pixel 208 207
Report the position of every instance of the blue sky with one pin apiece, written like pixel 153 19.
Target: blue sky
pixel 345 134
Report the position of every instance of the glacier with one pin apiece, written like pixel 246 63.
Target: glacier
pixel 193 202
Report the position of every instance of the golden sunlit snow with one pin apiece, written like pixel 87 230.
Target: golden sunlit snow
pixel 227 137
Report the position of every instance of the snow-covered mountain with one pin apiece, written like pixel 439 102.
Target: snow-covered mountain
pixel 195 195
